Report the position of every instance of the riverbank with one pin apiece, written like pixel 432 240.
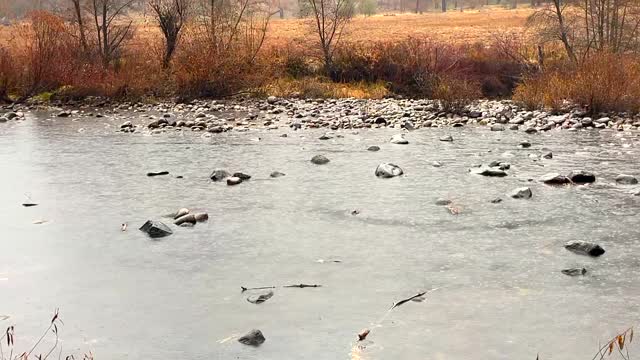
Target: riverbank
pixel 333 114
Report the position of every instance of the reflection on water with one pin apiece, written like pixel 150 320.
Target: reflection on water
pixel 124 296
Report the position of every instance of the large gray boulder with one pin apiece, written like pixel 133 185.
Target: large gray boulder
pixel 584 248
pixel 156 229
pixel 253 338
pixel 521 193
pixel 388 170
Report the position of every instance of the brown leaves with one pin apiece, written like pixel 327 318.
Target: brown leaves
pixel 621 341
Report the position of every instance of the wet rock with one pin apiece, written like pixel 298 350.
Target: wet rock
pixel 399 139
pixel 219 175
pixel 277 174
pixel 320 160
pixel 388 170
pixel 259 299
pixel 554 179
pixel 581 177
pixel 443 202
pixel 521 193
pixel 272 100
pixel 242 176
pixel 574 271
pixel 180 213
pixel 253 338
pixel 625 179
pixel 525 144
pixel 234 181
pixel 548 155
pixel 584 248
pixel 64 114
pixel 436 164
pixel 496 201
pixel 497 127
pixel 325 137
pixel 191 218
pixel 126 125
pixel 161 173
pixel 156 229
pixel 373 148
pixel 447 138
pixel 488 171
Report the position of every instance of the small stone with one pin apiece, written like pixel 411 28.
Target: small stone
pixel 521 193
pixel 624 179
pixel 584 248
pixel 242 176
pixel 64 114
pixel 547 155
pixel 219 175
pixel 253 338
pixel 373 148
pixel 320 160
pixel 443 202
pixel 497 127
pixel 581 177
pixel 156 229
pixel 574 271
pixel 525 144
pixel 436 164
pixel 277 174
pixel 447 138
pixel 488 171
pixel 554 179
pixel 496 201
pixel 399 139
pixel 325 137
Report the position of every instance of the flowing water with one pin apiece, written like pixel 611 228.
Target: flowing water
pixel 502 295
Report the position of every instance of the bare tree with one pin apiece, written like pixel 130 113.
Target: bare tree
pixel 111 27
pixel 330 18
pixel 79 18
pixel 171 16
pixel 551 24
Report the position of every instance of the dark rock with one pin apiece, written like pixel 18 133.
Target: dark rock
pixel 525 144
pixel 29 204
pixel 234 181
pixel 10 115
pixel 126 125
pixel 325 137
pixel 581 177
pixel 64 114
pixel 191 218
pixel 259 299
pixel 530 130
pixel 497 127
pixel 547 155
pixel 219 175
pixel 277 174
pixel 554 179
pixel 156 229
pixel 496 201
pixel 448 138
pixel 242 176
pixel 443 202
pixel 380 121
pixel 521 193
pixel 488 171
pixel 253 338
pixel 458 125
pixel 161 173
pixel 388 170
pixel 584 248
pixel 180 213
pixel 624 179
pixel 475 114
pixel 373 148
pixel 574 271
pixel 320 160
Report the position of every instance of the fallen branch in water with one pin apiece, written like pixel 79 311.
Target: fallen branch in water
pixel 256 288
pixel 419 295
pixel 302 286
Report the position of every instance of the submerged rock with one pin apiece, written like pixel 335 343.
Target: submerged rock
pixel 443 202
pixel 496 201
pixel 388 170
pixel 574 271
pixel 524 144
pixel 497 127
pixel 554 179
pixel 219 175
pixel 521 193
pixel 584 248
pixel 447 138
pixel 259 299
pixel 373 148
pixel 277 174
pixel 253 338
pixel 548 155
pixel 488 171
pixel 581 177
pixel 320 160
pixel 156 229
pixel 180 213
pixel 624 179
pixel 399 139
pixel 242 176
pixel 192 218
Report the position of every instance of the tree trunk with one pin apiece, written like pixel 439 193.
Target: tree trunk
pixel 444 5
pixel 83 39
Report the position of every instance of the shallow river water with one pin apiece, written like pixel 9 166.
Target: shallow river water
pixel 502 295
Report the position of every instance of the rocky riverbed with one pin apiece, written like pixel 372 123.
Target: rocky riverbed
pixel 298 236
pixel 274 113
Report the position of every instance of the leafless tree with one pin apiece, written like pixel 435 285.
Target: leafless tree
pixel 330 17
pixel 171 16
pixel 112 29
pixel 551 23
pixel 79 19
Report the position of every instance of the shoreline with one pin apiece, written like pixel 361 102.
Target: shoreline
pixel 217 116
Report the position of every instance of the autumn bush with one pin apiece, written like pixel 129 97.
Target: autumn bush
pixel 602 82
